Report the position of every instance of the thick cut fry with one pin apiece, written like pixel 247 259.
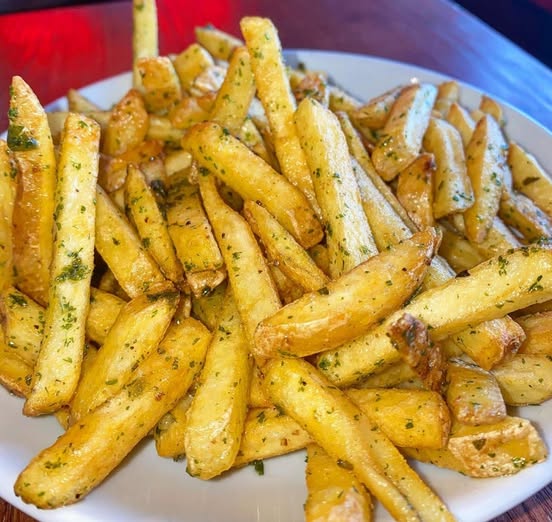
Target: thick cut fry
pixel 283 250
pixel 459 252
pixel 8 187
pixel 520 213
pixel 190 63
pixel 221 45
pixel 89 450
pixel 473 395
pixel 217 414
pixel 350 438
pixel 538 331
pixel 57 368
pixel 227 158
pixel 144 33
pixel 486 165
pixel 108 283
pixel 461 119
pixel 207 307
pixel 341 101
pixel 77 102
pixel 347 307
pixel 403 133
pixel 193 237
pixel 151 225
pixel 161 128
pixel 122 250
pixel 159 83
pixel 530 178
pixel 128 124
pixel 236 92
pixel 374 114
pixel 333 492
pixel 15 373
pixel 447 94
pixel 410 418
pixel 254 291
pixel 491 290
pixel 348 235
pixel 170 430
pixel 56 121
pixel 415 190
pixel 137 331
pixel 490 106
pixel 453 190
pixel 30 140
pixel 491 450
pixel 274 91
pixel 525 379
pixel 249 134
pixel 102 313
pixel 313 85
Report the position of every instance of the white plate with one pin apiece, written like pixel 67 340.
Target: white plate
pixel 148 488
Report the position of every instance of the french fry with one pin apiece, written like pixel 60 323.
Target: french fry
pixel 313 85
pixel 220 45
pixel 160 86
pixel 177 161
pixel 282 249
pixel 128 124
pixel 342 101
pixel 461 119
pixel 348 235
pixel 306 396
pixel 151 225
pixel 8 187
pixel 333 491
pixel 226 157
pixel 459 252
pixel 57 369
pixel 538 332
pixel 519 212
pixel 122 250
pixel 263 43
pixel 415 190
pixel 105 436
pixel 102 313
pixel 347 307
pixel 77 102
pixel 161 128
pixel 137 331
pixel 107 281
pixel 236 92
pixel 473 395
pixel 15 373
pixel 453 190
pixel 190 63
pixel 490 450
pixel 170 430
pixel 525 379
pixel 209 81
pixel 207 307
pixel 217 414
pixel 192 236
pixel 486 169
pixel 56 121
pixel 252 137
pixel 144 34
pixel 530 178
pixel 402 135
pixel 490 106
pixel 30 140
pixel 375 112
pixel 257 396
pixel 447 94
pixel 254 291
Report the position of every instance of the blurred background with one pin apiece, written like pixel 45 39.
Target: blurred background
pixel 528 23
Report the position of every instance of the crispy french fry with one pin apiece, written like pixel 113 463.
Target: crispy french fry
pixel 151 225
pixel 491 450
pixel 530 178
pixel 288 290
pixel 57 368
pixel 193 237
pixel 252 137
pixel 447 94
pixel 8 187
pixel 415 190
pixel 263 43
pixel 144 33
pixel 347 307
pixel 176 161
pixel 102 313
pixel 77 102
pixel 207 307
pixel 217 414
pixel 56 121
pixel 473 395
pixel 30 140
pixel 538 331
pixel 461 119
pixel 519 212
pixel 191 62
pixel 458 251
pixel 226 157
pixel 161 128
pixel 170 430
pixel 404 130
pixel 105 436
pixel 122 250
pixel 15 373
pixel 160 86
pixel 306 396
pixel 137 331
pixel 375 112
pixel 348 235
pixel 453 190
pixel 221 45
pixel 490 106
pixel 108 283
pixel 341 101
pixel 313 85
pixel 333 492
pixel 257 396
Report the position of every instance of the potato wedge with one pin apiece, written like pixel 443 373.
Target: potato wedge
pixel 30 140
pixel 57 369
pixel 144 34
pixel 402 135
pixel 347 307
pixel 226 157
pixel 88 451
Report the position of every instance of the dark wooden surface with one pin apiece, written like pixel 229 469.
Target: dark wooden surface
pixel 71 47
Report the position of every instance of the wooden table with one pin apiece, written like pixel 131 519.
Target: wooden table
pixel 71 47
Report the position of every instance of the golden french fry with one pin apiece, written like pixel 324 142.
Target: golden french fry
pixel 170 430
pixel 221 45
pixel 521 213
pixel 144 33
pixel 458 251
pixel 447 94
pixel 347 307
pixel 77 102
pixel 8 187
pixel 160 85
pixel 102 313
pixel 15 373
pixel 226 157
pixel 57 369
pixel 402 135
pixel 312 85
pixel 30 140
pixel 375 112
pixel 538 331
pixel 461 119
pixel 490 106
pixel 348 235
pixel 190 63
pixel 341 101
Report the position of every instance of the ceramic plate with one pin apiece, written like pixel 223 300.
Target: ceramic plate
pixel 148 488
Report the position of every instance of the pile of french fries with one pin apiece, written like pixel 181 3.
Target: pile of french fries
pixel 241 260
